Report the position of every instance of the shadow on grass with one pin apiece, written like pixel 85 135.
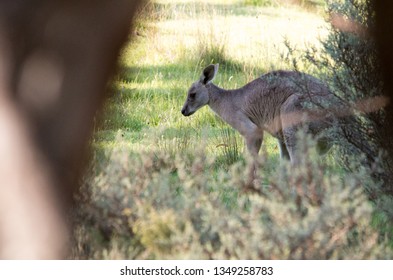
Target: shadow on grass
pixel 185 70
pixel 122 95
pixel 167 72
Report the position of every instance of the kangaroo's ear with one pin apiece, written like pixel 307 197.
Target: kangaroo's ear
pixel 209 73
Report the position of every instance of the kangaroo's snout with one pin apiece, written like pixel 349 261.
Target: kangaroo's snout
pixel 186 112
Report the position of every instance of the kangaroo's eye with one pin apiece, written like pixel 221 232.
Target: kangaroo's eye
pixel 192 95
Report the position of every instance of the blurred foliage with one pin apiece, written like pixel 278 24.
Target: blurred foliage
pixel 149 206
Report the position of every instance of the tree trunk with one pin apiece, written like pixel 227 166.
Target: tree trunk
pixel 56 59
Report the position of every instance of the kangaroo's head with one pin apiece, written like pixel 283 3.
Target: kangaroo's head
pixel 198 94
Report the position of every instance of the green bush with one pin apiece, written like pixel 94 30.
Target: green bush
pixel 149 206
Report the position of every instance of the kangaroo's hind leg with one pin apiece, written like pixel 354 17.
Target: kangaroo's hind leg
pixel 291 121
pixel 253 142
pixel 290 142
pixel 284 154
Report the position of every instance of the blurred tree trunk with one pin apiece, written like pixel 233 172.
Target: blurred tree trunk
pixel 56 59
pixel 384 37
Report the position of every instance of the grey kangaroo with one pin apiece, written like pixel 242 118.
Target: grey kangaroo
pixel 279 102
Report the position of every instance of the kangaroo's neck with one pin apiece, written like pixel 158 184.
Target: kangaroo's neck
pixel 222 101
pixel 218 97
pixel 215 93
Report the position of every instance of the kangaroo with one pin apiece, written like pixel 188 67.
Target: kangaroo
pixel 279 102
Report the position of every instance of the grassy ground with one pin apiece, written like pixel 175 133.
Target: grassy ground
pixel 175 39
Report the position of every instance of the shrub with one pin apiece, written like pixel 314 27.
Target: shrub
pixel 349 62
pixel 148 206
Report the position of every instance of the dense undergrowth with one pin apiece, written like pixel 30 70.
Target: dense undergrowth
pixel 151 206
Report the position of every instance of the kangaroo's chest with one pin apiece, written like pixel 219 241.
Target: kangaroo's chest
pixel 266 115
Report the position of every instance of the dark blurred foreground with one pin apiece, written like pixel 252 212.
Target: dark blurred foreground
pixel 56 60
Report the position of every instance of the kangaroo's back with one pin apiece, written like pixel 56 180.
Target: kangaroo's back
pixel 274 90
